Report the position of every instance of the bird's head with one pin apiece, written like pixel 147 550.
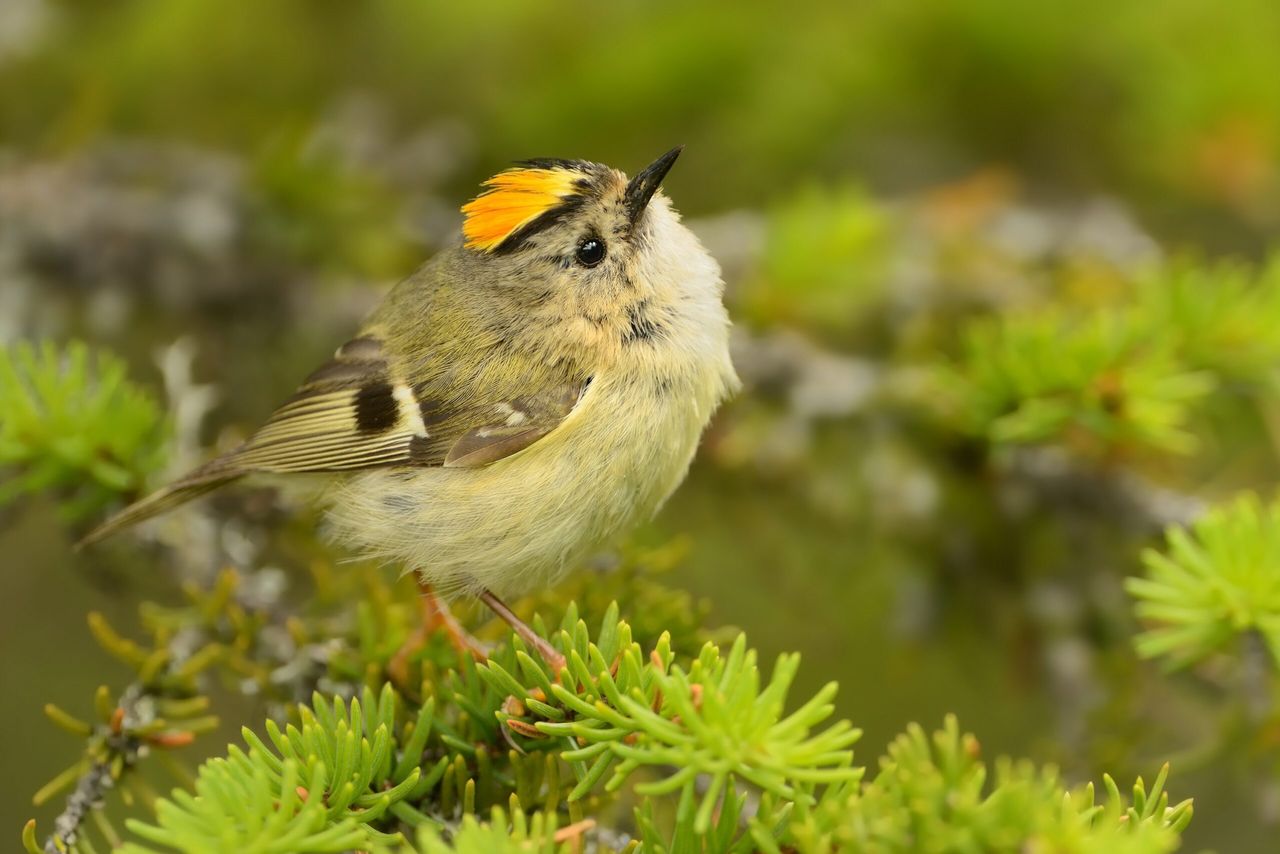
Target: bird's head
pixel 587 263
pixel 587 223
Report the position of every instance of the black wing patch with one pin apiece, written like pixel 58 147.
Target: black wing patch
pixel 354 413
pixel 351 413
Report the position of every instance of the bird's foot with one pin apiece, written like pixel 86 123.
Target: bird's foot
pixel 436 616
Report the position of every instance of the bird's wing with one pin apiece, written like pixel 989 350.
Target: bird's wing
pixel 353 412
pixel 357 412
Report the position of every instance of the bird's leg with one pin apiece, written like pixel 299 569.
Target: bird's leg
pixel 441 616
pixel 435 615
pixel 549 653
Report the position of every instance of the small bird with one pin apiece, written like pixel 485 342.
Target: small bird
pixel 523 397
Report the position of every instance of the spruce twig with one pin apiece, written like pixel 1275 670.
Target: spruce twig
pixel 132 727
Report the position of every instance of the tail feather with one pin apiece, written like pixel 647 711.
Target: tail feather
pixel 160 501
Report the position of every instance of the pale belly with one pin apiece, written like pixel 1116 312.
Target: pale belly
pixel 521 522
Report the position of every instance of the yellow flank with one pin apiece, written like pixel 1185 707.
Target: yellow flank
pixel 513 199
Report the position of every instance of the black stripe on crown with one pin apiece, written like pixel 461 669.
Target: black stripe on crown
pixel 559 163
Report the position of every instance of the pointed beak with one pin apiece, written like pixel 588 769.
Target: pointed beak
pixel 642 187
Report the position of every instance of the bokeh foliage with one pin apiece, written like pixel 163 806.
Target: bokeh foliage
pixel 1178 107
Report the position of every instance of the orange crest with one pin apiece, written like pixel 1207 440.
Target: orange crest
pixel 513 199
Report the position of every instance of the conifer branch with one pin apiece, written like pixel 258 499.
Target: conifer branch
pixel 159 711
pixel 74 426
pixel 1216 581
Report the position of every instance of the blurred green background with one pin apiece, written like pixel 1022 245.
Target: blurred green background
pixel 877 180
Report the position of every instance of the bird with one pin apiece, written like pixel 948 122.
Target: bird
pixel 528 394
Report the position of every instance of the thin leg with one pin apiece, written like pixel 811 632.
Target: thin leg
pixel 435 615
pixel 549 654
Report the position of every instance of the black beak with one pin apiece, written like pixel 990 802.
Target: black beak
pixel 642 187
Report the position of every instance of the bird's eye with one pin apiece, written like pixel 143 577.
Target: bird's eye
pixel 590 252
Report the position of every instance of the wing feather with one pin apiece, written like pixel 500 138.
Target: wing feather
pixel 356 412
